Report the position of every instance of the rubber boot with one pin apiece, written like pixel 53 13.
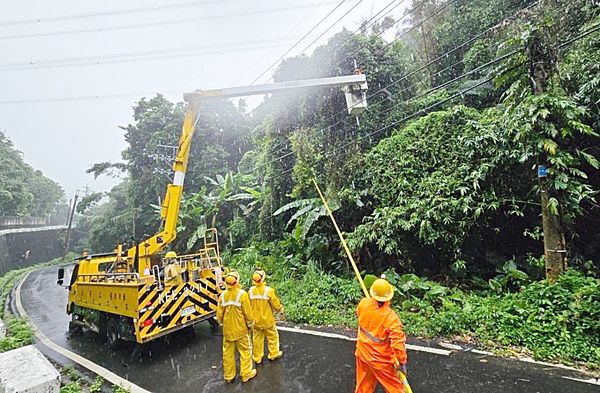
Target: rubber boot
pixel 249 377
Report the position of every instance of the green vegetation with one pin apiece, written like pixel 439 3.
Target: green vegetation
pixel 96 386
pixel 23 190
pixel 74 382
pixel 18 333
pixel 71 372
pixel 10 279
pixel 437 180
pixel 551 321
pixel 71 387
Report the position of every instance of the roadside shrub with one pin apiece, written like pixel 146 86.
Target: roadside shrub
pixel 557 321
pixel 71 387
pixel 553 321
pixel 19 334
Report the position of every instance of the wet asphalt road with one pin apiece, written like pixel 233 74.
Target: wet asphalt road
pixel 190 361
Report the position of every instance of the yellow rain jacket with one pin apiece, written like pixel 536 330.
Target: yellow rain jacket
pixel 234 313
pixel 173 274
pixel 264 301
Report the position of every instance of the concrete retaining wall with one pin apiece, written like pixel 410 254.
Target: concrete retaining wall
pixel 28 246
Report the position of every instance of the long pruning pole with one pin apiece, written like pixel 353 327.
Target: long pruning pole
pixel 358 276
pixel 401 375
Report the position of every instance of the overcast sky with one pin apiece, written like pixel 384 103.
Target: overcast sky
pixel 204 44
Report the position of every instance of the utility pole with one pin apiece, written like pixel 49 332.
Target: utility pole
pixel 542 51
pixel 70 223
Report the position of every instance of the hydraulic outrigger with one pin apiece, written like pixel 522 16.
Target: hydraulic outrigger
pixel 125 294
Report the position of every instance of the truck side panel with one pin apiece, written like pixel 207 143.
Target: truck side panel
pixel 114 298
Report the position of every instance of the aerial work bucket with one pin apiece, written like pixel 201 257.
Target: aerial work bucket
pixel 356 96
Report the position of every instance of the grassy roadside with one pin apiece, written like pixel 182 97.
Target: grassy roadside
pixel 18 332
pixel 75 382
pixel 556 322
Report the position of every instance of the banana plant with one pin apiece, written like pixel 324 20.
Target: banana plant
pixel 308 212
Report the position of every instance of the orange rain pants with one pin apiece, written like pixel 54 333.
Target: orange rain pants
pixel 367 378
pixel 380 345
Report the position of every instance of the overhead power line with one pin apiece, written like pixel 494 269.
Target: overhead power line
pixel 366 23
pixel 298 42
pixel 363 25
pixel 424 111
pixel 108 13
pixel 424 94
pixel 283 145
pixel 287 35
pixel 154 24
pixel 138 56
pixel 406 14
pixel 331 27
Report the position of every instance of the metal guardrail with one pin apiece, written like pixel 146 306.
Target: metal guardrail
pixel 37 229
pixel 17 221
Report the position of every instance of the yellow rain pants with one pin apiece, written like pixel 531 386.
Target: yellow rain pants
pixel 244 348
pixel 264 302
pixel 235 313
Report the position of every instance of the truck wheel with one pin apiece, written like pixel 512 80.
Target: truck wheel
pixel 112 334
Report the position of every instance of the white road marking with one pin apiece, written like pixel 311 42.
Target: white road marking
pixel 530 360
pixel 412 347
pixel 451 346
pixel 93 367
pixel 480 352
pixel 117 380
pixel 593 381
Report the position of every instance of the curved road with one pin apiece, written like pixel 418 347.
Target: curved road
pixel 191 361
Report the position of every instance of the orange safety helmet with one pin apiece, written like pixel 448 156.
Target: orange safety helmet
pixel 232 278
pixel 381 290
pixel 259 276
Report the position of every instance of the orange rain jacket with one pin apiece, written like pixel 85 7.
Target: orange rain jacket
pixel 381 339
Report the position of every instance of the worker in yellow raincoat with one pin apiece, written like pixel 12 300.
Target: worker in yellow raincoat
pixel 235 314
pixel 172 270
pixel 264 302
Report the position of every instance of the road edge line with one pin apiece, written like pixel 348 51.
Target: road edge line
pixel 419 348
pixel 88 364
pixel 592 381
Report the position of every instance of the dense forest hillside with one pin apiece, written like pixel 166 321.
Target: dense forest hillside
pixel 438 179
pixel 439 174
pixel 24 191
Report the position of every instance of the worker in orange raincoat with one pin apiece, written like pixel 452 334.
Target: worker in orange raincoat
pixel 264 302
pixel 234 312
pixel 380 347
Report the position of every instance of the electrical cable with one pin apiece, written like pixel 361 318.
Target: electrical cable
pixel 298 42
pixel 330 27
pixel 387 126
pixel 154 24
pixel 132 56
pixel 436 104
pixel 393 24
pixel 285 37
pixel 107 13
pixel 426 93
pixel 440 57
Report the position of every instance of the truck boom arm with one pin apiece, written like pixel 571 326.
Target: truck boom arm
pixel 169 210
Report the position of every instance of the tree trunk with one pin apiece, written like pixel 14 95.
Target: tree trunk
pixel 542 51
